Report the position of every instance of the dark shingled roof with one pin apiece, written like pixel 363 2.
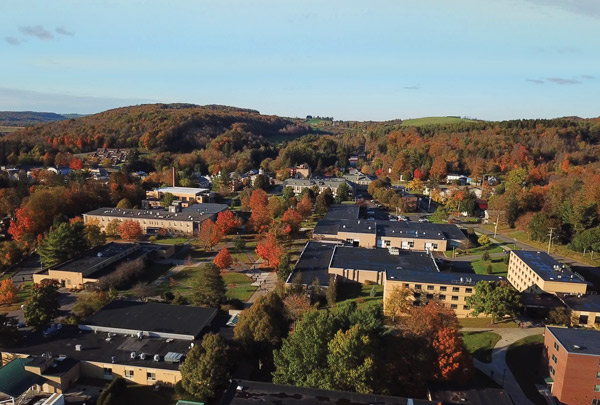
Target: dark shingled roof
pixel 544 266
pixel 275 394
pixel 381 260
pixel 152 317
pixel 577 341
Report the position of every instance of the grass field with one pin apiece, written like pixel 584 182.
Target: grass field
pixel 523 359
pixel 361 293
pixel 238 286
pixel 499 268
pixel 418 122
pixel 9 129
pixel 22 296
pixel 481 344
pixel 172 241
pixel 490 247
pixel 485 323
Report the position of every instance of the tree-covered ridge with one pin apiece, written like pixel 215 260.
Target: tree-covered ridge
pixel 160 127
pixel 24 118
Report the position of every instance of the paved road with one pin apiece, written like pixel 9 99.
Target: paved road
pixel 498 369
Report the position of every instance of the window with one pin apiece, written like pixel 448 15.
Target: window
pixel 466 307
pixel 552 371
pixel 442 297
pixel 417 295
pixel 129 374
pixel 583 319
pixel 387 243
pixel 597 388
pixel 417 286
pixel 453 306
pixel 468 290
pixel 598 374
pixel 151 376
pixel 455 298
pixel 597 320
pixel 430 287
pixel 429 296
pixel 442 288
pixel 554 359
pixel 107 371
pixel 455 289
pixel 556 346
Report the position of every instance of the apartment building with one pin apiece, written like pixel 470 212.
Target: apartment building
pixel 538 272
pixel 298 185
pixel 573 364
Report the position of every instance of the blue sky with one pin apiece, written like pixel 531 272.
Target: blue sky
pixel 361 60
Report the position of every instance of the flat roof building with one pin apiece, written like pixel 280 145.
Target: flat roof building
pixel 184 221
pixel 298 185
pixel 573 364
pixel 187 195
pixel 538 272
pixel 584 310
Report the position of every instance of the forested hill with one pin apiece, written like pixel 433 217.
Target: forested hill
pixel 25 118
pixel 159 127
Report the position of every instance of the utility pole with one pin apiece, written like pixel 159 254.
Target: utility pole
pixel 550 239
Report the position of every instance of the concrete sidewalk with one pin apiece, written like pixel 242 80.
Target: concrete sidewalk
pixel 498 370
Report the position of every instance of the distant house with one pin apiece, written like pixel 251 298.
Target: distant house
pixel 323 184
pixel 187 195
pixel 353 160
pixel 451 178
pixel 300 171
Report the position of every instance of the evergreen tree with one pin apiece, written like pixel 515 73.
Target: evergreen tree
pixel 209 287
pixel 63 242
pixel 42 306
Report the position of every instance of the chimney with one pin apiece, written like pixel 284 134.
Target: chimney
pixel 173 176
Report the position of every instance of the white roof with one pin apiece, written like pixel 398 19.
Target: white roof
pixel 182 190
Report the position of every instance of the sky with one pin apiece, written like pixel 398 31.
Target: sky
pixel 351 60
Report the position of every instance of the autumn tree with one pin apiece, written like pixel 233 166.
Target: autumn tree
pixel 483 240
pixel 261 217
pixel 453 363
pixel 206 367
pixel 209 287
pixel 8 292
pixel 398 302
pixel 324 200
pixel 498 299
pixel 124 203
pixel 167 199
pixel 209 234
pixel 292 219
pixel 226 222
pixel 276 206
pixel 296 304
pixel 269 249
pixel 42 306
pixel 130 229
pixel 112 228
pixel 426 320
pixel 223 259
pixel 305 206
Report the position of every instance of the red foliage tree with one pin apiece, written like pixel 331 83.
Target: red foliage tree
pixel 8 292
pixel 223 259
pixel 292 219
pixel 419 174
pixel 209 234
pixel 270 250
pixel 227 222
pixel 130 230
pixel 261 217
pixel 76 164
pixel 305 206
pixel 426 321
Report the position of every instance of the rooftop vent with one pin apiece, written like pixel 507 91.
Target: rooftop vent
pixel 576 347
pixel 77 348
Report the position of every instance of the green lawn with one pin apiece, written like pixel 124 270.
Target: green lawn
pixel 418 122
pixel 499 268
pixel 172 241
pixel 523 358
pixel 485 323
pixel 145 394
pixel 242 290
pixel 22 295
pixel 490 247
pixel 361 293
pixel 481 344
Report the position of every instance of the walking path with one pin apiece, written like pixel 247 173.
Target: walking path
pixel 267 283
pixel 498 370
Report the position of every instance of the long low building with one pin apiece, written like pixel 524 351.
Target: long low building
pixel 539 272
pixel 392 234
pixel 187 195
pixel 332 183
pixel 393 268
pixel 145 343
pixel 175 220
pixel 90 266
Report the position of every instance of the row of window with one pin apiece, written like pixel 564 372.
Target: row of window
pixel 419 287
pixel 129 374
pixel 441 296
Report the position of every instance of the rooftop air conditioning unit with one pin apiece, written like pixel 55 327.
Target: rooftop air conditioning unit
pixel 77 348
pixel 157 357
pixel 133 355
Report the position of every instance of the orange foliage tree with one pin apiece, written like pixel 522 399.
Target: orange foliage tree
pixel 223 259
pixel 453 363
pixel 130 229
pixel 227 222
pixel 209 234
pixel 270 249
pixel 292 219
pixel 305 206
pixel 8 292
pixel 261 217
